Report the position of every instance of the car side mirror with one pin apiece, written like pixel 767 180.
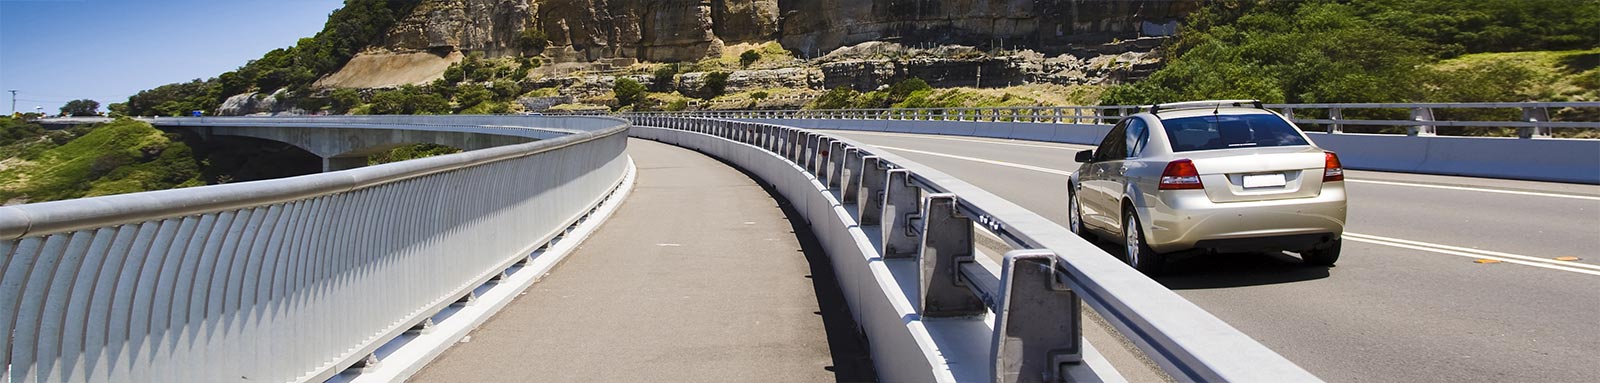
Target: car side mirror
pixel 1085 156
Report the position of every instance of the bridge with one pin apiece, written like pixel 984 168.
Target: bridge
pixel 944 248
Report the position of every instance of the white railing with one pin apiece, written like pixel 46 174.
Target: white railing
pixel 1535 121
pixel 291 279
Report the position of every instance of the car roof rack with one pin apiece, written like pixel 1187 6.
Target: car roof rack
pixel 1206 104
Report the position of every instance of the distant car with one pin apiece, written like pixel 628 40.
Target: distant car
pixel 1209 176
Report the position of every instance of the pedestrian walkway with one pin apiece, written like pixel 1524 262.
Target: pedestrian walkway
pixel 698 277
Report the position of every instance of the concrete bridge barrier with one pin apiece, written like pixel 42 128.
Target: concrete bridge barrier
pixel 900 238
pixel 291 279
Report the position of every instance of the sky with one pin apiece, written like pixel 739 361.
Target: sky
pixel 54 51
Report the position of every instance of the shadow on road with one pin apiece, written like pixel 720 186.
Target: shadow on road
pixel 1210 271
pixel 852 361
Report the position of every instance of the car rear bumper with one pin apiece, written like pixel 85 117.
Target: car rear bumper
pixel 1186 219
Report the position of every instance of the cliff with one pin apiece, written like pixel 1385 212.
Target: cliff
pixel 687 30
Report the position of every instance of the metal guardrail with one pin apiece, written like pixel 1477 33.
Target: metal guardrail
pixel 291 279
pixel 928 216
pixel 1534 123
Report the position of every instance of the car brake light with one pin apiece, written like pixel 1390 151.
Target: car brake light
pixel 1331 169
pixel 1180 175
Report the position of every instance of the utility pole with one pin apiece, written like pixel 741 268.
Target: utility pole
pixel 13 101
pixel 979 82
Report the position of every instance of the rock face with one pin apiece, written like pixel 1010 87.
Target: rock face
pixel 688 30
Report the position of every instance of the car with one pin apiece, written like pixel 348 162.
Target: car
pixel 1208 177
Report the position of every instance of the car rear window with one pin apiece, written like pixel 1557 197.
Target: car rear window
pixel 1230 131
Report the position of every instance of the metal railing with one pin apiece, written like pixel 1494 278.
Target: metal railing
pixel 1535 121
pixel 290 279
pixel 928 217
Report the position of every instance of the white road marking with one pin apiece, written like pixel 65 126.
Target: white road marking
pixel 1463 188
pixel 936 137
pixel 1581 268
pixel 991 162
pixel 1390 183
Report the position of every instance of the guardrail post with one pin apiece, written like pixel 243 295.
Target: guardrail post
pixel 1535 115
pixel 900 209
pixel 852 176
pixel 946 243
pixel 1335 114
pixel 1421 115
pixel 836 154
pixel 819 163
pixel 1037 330
pixel 869 204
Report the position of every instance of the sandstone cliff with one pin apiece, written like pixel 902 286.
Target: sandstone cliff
pixel 687 30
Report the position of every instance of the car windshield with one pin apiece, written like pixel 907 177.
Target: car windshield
pixel 1230 131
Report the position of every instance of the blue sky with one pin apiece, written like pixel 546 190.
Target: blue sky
pixel 54 51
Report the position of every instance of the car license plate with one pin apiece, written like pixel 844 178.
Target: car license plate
pixel 1263 180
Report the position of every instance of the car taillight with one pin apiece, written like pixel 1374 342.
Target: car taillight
pixel 1180 175
pixel 1331 169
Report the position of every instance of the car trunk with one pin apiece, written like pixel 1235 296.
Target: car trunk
pixel 1260 174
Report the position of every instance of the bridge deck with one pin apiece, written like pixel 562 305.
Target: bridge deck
pixel 698 277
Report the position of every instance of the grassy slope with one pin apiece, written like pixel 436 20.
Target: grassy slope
pixel 123 156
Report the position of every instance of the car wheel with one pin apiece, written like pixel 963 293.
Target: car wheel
pixel 1324 256
pixel 1137 253
pixel 1075 217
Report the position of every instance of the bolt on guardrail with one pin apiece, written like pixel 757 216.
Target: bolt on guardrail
pixel 923 218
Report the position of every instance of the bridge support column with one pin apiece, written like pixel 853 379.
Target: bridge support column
pixel 333 164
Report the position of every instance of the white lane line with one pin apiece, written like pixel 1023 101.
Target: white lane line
pixel 1581 268
pixel 991 162
pixel 1391 183
pixel 1463 188
pixel 934 137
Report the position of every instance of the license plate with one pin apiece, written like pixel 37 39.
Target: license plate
pixel 1263 180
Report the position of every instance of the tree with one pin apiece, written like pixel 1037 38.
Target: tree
pixel 534 39
pixel 83 107
pixel 628 91
pixel 715 83
pixel 662 79
pixel 749 57
pixel 344 99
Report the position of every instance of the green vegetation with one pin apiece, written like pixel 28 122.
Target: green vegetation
pixel 409 99
pixel 348 30
pixel 411 152
pixel 749 57
pixel 662 79
pixel 122 156
pixel 533 39
pixel 1358 51
pixel 628 91
pixel 13 130
pixel 716 83
pixel 84 107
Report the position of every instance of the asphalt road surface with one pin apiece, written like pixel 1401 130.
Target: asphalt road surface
pixel 1442 279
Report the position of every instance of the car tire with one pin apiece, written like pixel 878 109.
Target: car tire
pixel 1075 216
pixel 1136 252
pixel 1322 256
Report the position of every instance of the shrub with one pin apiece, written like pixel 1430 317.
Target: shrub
pixel 628 91
pixel 716 83
pixel 749 57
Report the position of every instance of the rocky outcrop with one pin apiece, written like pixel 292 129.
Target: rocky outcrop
pixel 687 30
pixel 489 26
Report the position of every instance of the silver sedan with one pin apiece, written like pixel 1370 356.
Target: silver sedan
pixel 1210 176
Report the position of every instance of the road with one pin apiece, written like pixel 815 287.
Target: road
pixel 700 276
pixel 1416 296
